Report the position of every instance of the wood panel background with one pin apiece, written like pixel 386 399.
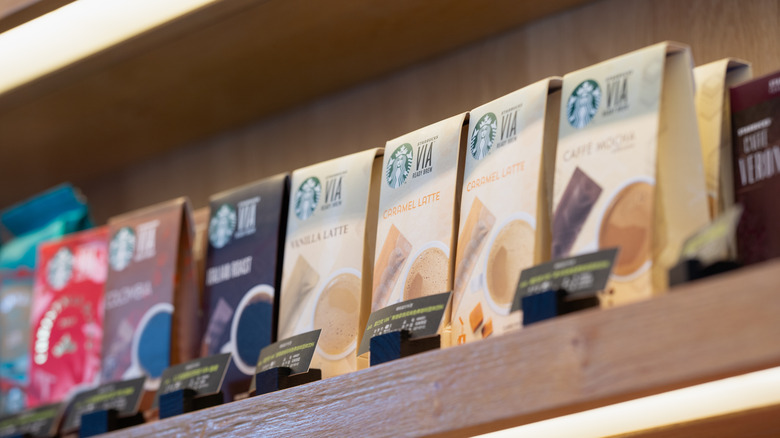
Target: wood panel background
pixel 370 114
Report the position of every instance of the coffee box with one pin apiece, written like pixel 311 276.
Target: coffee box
pixel 419 206
pixel 328 255
pixel 152 305
pixel 628 169
pixel 505 206
pixel 755 110
pixel 67 316
pixel 243 272
pixel 713 113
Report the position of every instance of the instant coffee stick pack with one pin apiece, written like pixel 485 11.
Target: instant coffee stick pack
pixel 419 206
pixel 328 255
pixel 505 206
pixel 152 302
pixel 628 168
pixel 713 112
pixel 243 272
pixel 67 315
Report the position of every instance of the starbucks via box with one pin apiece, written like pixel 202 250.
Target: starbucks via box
pixel 755 111
pixel 328 254
pixel 628 168
pixel 505 206
pixel 713 113
pixel 243 272
pixel 67 315
pixel 152 302
pixel 418 214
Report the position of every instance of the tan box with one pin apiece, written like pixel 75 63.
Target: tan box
pixel 328 256
pixel 505 206
pixel 628 169
pixel 418 214
pixel 713 113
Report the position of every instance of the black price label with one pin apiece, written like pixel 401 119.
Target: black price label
pixel 295 352
pixel 123 396
pixel 204 376
pixel 579 276
pixel 38 422
pixel 421 317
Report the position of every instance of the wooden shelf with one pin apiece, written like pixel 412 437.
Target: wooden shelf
pixel 224 65
pixel 712 329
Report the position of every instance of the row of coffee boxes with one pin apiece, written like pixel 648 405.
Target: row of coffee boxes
pixel 608 156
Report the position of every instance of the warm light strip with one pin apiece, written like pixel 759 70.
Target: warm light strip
pixel 77 30
pixel 748 391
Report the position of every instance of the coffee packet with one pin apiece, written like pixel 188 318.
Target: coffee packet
pixel 243 272
pixel 628 169
pixel 152 316
pixel 755 111
pixel 67 316
pixel 419 207
pixel 713 113
pixel 505 206
pixel 328 255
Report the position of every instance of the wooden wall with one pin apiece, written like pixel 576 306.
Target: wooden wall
pixel 370 114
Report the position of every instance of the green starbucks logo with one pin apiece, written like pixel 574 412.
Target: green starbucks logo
pixel 60 269
pixel 583 103
pixel 121 248
pixel 222 226
pixel 481 141
pixel 399 165
pixel 307 197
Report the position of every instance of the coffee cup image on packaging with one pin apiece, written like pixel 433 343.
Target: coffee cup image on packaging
pixel 337 303
pixel 577 201
pixel 250 330
pixel 510 250
pixel 302 281
pixel 426 272
pixel 150 353
pixel 391 259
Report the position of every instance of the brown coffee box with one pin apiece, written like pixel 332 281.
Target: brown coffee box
pixel 713 114
pixel 505 206
pixel 328 256
pixel 628 168
pixel 419 206
pixel 755 110
pixel 152 305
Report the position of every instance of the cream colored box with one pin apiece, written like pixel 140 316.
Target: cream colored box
pixel 418 213
pixel 628 169
pixel 713 112
pixel 328 256
pixel 505 206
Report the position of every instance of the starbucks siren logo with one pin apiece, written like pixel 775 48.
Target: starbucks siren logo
pixel 482 138
pixel 222 225
pixel 583 103
pixel 121 248
pixel 307 197
pixel 60 269
pixel 399 166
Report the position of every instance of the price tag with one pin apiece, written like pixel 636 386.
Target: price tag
pixel 421 317
pixel 38 422
pixel 124 397
pixel 295 352
pixel 579 276
pixel 204 376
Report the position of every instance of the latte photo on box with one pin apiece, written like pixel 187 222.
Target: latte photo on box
pixel 328 255
pixel 628 168
pixel 152 303
pixel 713 114
pixel 418 214
pixel 505 206
pixel 243 274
